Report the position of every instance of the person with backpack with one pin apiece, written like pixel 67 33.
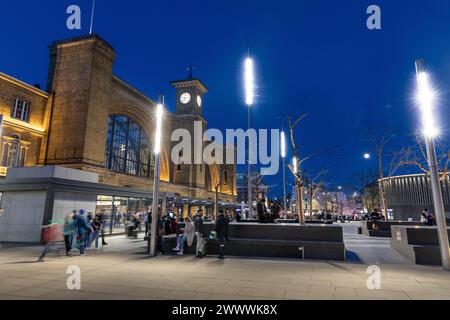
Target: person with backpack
pixel 221 229
pixel 199 230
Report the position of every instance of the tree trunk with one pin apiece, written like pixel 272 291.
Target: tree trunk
pixel 301 216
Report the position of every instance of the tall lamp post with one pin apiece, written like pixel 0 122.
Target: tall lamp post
pixel 425 95
pixel 249 80
pixel 156 151
pixel 283 156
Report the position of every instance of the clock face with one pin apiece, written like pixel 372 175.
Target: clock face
pixel 199 101
pixel 185 98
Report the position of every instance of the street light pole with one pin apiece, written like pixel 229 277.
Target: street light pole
pixel 249 81
pixel 283 156
pixel 425 100
pixel 155 206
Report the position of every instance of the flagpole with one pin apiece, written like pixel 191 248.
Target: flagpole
pixel 92 16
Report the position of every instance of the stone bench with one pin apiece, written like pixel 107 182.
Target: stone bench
pixel 318 242
pixel 313 250
pixel 419 244
pixel 384 227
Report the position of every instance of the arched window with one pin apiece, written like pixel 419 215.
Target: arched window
pixel 14 152
pixel 128 148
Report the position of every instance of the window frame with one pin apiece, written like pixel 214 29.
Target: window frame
pixel 26 104
pixel 128 148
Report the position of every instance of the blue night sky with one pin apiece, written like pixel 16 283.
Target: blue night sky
pixel 311 56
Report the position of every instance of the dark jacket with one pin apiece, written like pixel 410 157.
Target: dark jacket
pixel 81 224
pixel 222 226
pixel 198 223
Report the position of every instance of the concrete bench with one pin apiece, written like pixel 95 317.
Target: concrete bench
pixel 383 228
pixel 419 244
pixel 274 240
pixel 267 248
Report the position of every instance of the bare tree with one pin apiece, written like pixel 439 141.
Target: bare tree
pixel 296 171
pixel 416 155
pixel 314 185
pixel 380 143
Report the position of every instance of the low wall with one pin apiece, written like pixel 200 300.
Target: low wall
pixel 322 242
pixel 384 227
pixel 419 244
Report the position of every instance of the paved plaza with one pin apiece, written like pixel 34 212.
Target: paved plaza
pixel 122 270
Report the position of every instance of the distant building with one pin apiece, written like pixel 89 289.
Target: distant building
pixel 408 195
pixel 259 188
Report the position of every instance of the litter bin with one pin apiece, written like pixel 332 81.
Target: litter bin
pixel 131 231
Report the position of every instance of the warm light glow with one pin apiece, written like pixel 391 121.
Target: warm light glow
pixel 426 98
pixel 294 165
pixel 249 79
pixel 283 145
pixel 158 132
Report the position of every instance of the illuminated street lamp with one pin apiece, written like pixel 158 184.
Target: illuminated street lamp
pixel 155 206
pixel 249 82
pixel 366 156
pixel 283 156
pixel 426 98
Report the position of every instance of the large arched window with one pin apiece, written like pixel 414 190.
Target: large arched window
pixel 127 147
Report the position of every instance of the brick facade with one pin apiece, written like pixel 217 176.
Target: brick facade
pixel 68 123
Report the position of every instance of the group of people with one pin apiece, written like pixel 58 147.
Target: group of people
pixel 427 218
pixel 267 216
pixel 195 229
pixel 79 230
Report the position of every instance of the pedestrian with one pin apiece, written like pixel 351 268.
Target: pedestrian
pixel 261 210
pixel 96 228
pixel 51 234
pixel 222 232
pixel 427 218
pixel 89 232
pixel 238 216
pixel 103 218
pixel 69 231
pixel 161 230
pixel 199 230
pixel 187 236
pixel 147 221
pixel 82 228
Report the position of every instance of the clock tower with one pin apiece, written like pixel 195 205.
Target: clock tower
pixel 189 95
pixel 189 116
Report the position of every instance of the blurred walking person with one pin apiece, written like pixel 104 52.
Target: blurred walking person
pixel 69 231
pixel 51 234
pixel 82 228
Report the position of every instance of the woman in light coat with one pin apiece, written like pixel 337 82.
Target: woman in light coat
pixel 187 235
